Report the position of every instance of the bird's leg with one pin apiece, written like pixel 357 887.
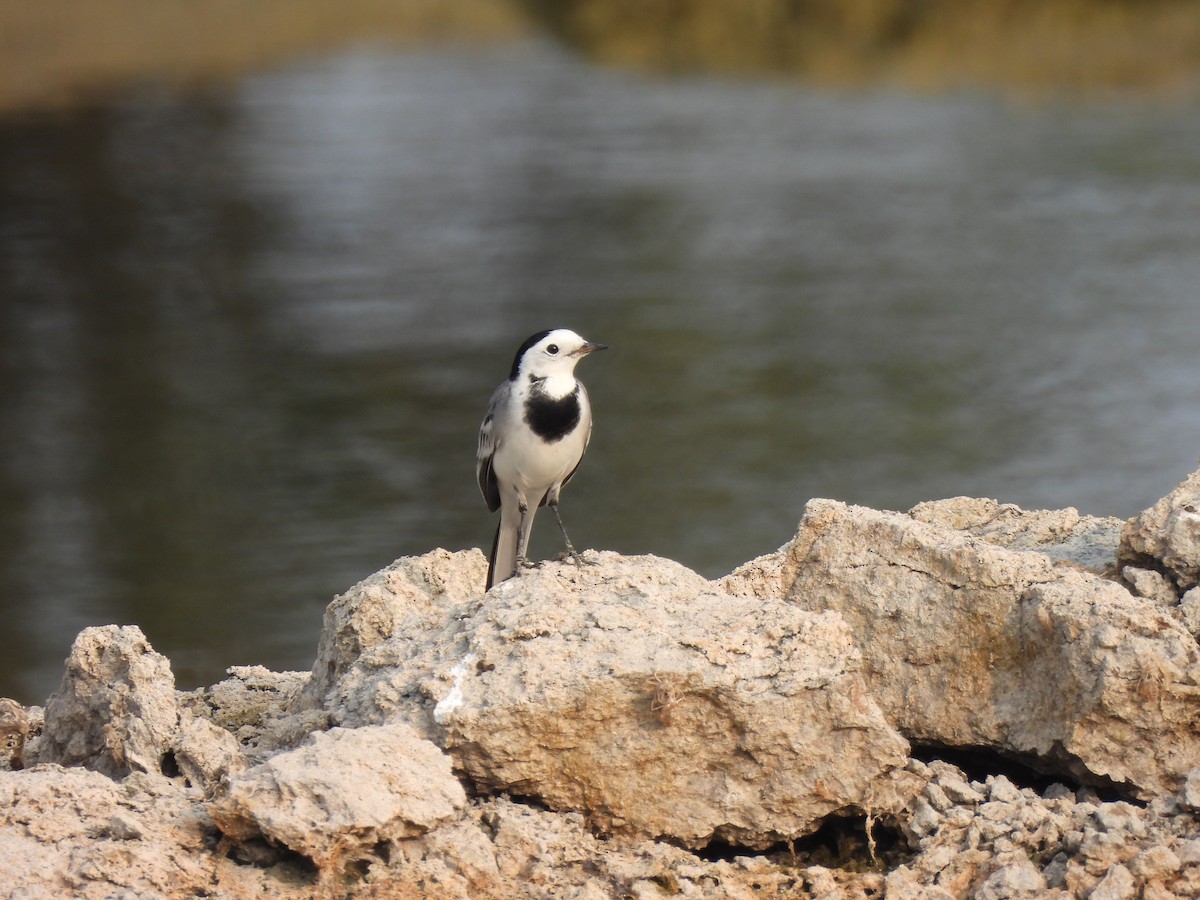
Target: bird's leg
pixel 521 538
pixel 570 547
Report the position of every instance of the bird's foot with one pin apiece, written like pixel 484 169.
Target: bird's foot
pixel 576 557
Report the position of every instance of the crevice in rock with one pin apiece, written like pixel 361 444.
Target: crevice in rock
pixel 383 849
pixel 851 843
pixel 1150 564
pixel 1026 770
pixel 168 765
pixel 491 822
pixel 265 854
pixel 529 801
pixel 212 838
pixel 356 870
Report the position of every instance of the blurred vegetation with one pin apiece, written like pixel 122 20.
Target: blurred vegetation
pixel 66 51
pixel 1035 44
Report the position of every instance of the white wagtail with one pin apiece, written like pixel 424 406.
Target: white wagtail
pixel 531 442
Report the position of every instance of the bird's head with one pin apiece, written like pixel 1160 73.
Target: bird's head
pixel 550 353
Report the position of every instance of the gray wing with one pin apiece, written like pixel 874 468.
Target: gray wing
pixel 488 442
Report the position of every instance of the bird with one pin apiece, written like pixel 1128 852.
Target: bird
pixel 532 439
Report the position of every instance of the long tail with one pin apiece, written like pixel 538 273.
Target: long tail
pixel 491 579
pixel 502 564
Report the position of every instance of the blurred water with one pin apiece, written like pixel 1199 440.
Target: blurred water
pixel 247 337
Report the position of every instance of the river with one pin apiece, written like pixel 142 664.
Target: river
pixel 248 332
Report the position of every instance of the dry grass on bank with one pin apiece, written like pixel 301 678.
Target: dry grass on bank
pixel 1070 45
pixel 64 52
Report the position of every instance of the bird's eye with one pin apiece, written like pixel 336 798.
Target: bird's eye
pixel 552 349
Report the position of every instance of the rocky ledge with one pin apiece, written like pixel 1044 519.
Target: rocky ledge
pixel 965 700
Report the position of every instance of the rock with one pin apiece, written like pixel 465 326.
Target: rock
pixel 959 790
pixel 342 795
pixel 260 708
pixel 1149 584
pixel 1155 890
pixel 1166 537
pixel 115 711
pixel 606 718
pixel 968 644
pixel 1189 854
pixel 460 857
pixel 79 834
pixel 1117 884
pixel 1089 542
pixel 1112 682
pixel 1059 791
pixel 1120 818
pixel 504 849
pixel 1189 611
pixel 1003 790
pixel 904 884
pixel 14 729
pixel 206 754
pixel 1155 861
pixel 412 595
pixel 1018 878
pixel 1189 793
pixel 636 693
pixel 925 818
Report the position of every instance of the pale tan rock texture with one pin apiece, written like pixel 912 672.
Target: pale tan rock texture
pixel 1166 537
pixel 628 729
pixel 78 834
pixel 260 708
pixel 343 794
pixel 14 730
pixel 206 754
pixel 1089 542
pixel 412 595
pixel 634 692
pixel 116 710
pixel 968 644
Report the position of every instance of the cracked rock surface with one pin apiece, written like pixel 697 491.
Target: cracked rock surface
pixel 1165 539
pixel 969 643
pixel 636 692
pixel 965 700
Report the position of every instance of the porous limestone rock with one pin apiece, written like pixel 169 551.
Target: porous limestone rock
pixel 343 794
pixel 1189 611
pixel 1189 793
pixel 670 658
pixel 206 754
pixel 641 702
pixel 413 594
pixel 633 691
pixel 259 707
pixel 115 711
pixel 1017 842
pixel 1166 536
pixel 79 834
pixel 968 644
pixel 14 729
pixel 1089 542
pixel 503 849
pixel 1150 584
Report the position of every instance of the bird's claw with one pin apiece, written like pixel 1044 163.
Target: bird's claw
pixel 576 557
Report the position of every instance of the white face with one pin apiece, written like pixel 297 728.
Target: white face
pixel 556 353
